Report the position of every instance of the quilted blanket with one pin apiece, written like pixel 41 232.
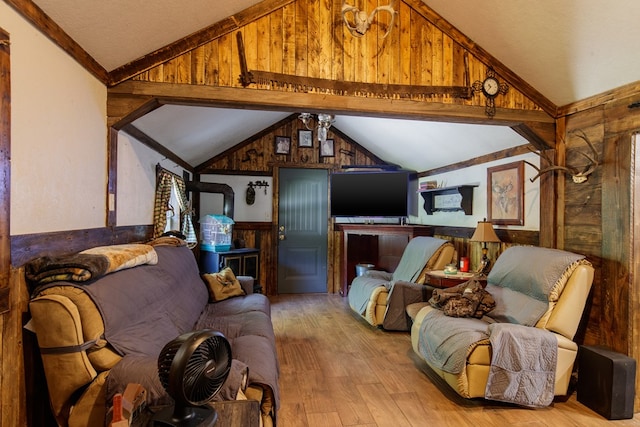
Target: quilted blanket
pixel 523 365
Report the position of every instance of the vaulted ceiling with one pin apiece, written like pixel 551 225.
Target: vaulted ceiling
pixel 567 50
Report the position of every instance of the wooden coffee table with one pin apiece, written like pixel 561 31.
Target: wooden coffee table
pixel 438 279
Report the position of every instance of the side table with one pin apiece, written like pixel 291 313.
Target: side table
pixel 231 413
pixel 438 279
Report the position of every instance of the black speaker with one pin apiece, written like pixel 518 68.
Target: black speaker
pixel 606 382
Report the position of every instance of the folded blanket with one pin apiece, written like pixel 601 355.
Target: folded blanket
pixel 417 253
pixel 523 365
pixel 89 264
pixel 168 241
pixel 445 341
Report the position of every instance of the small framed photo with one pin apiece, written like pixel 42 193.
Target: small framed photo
pixel 326 148
pixel 283 144
pixel 505 194
pixel 305 138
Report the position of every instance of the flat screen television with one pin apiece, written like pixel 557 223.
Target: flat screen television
pixel 381 194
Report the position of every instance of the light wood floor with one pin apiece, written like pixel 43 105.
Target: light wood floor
pixel 337 370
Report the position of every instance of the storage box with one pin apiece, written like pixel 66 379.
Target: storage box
pixel 606 382
pixel 215 233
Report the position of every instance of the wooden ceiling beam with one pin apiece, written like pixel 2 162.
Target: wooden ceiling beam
pixel 294 102
pixel 541 135
pixel 156 146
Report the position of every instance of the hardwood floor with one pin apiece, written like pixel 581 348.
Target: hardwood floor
pixel 337 370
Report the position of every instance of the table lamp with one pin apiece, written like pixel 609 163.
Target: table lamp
pixel 484 233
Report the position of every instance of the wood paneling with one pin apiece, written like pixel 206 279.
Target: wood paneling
pixel 5 169
pixel 26 247
pixel 309 39
pixel 257 154
pixel 598 218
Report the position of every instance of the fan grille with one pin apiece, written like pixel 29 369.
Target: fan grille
pixel 193 367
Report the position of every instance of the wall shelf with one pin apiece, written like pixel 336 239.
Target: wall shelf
pixel 449 199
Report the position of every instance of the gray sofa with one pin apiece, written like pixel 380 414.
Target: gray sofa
pixel 100 334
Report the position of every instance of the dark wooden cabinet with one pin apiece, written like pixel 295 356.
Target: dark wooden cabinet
pixel 243 262
pixel 381 245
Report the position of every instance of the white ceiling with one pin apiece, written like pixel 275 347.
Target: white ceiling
pixel 568 50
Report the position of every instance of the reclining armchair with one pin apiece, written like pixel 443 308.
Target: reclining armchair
pixel 380 297
pixel 522 351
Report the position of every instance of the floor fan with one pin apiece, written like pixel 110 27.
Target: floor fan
pixel 192 369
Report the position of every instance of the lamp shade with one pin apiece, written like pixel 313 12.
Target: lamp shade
pixel 484 233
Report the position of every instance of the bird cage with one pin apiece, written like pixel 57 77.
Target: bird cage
pixel 215 233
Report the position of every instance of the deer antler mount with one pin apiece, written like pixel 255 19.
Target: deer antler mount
pixel 358 21
pixel 578 175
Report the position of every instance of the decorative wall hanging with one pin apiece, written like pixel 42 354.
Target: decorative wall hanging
pixel 251 192
pixel 305 138
pixel 340 87
pixel 578 176
pixel 358 21
pixel 251 155
pixel 491 88
pixel 327 148
pixel 505 194
pixel 251 195
pixel 283 144
pixel 323 120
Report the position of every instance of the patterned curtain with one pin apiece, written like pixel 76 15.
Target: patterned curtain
pixel 165 180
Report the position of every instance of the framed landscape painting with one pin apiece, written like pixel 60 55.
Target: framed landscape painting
pixel 505 194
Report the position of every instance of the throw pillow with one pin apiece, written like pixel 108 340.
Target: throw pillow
pixel 223 285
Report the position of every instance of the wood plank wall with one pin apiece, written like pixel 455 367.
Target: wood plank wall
pixel 257 155
pixel 309 38
pixel 598 217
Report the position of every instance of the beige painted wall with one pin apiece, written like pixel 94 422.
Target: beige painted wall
pixel 58 135
pixel 478 175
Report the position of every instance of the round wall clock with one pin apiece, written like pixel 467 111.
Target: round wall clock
pixel 491 88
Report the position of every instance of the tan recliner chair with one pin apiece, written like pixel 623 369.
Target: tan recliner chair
pixel 381 297
pixel 565 285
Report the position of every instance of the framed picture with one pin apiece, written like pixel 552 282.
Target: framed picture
pixel 305 138
pixel 505 194
pixel 326 148
pixel 283 144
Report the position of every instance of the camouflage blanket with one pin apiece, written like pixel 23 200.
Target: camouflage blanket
pixel 467 299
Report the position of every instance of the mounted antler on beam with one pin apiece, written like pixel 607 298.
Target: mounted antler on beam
pixel 578 176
